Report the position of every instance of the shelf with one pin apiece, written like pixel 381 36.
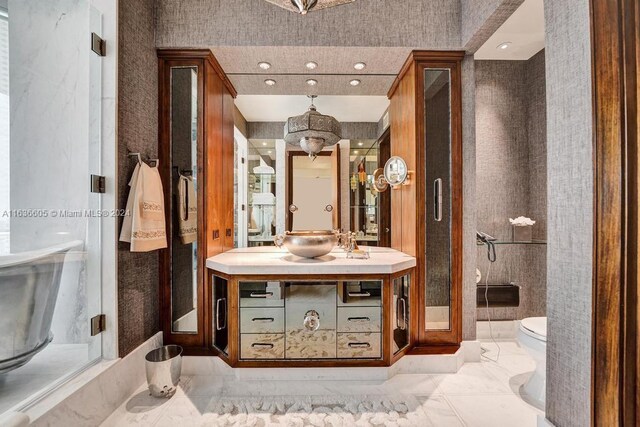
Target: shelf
pixel 508 242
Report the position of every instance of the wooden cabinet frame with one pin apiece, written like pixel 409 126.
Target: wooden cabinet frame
pixel 215 169
pixel 408 141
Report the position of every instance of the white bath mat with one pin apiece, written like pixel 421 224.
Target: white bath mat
pixel 317 411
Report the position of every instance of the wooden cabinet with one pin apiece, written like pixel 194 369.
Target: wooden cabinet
pixel 196 145
pixel 426 131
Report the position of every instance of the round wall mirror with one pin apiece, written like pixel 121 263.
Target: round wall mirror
pixel 395 171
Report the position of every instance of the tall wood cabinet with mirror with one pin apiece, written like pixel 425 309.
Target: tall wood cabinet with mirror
pixel 426 213
pixel 196 148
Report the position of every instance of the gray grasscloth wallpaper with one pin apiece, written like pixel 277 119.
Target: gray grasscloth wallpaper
pixel 275 130
pixel 138 316
pixel 570 211
pixel 481 18
pixel 511 176
pixel 433 24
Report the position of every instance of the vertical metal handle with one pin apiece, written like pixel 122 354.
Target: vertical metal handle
pixel 218 301
pixel 404 313
pixel 437 199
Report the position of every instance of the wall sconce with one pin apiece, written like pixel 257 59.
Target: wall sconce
pixel 394 174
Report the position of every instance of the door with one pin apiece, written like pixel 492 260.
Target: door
pixel 314 190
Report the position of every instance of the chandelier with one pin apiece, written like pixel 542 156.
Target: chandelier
pixel 304 6
pixel 312 131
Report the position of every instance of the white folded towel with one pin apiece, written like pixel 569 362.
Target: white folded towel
pixel 187 210
pixel 263 169
pixel 144 224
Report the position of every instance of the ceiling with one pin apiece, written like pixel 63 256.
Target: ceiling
pixel 278 108
pixel 334 70
pixel 524 30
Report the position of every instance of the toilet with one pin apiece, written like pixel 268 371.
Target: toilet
pixel 532 336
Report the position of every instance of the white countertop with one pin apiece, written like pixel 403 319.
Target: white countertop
pixel 272 260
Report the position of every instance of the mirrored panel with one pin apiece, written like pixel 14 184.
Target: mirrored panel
pixel 364 216
pixel 261 192
pixel 184 185
pixel 437 125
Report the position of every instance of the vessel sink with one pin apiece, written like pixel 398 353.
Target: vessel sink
pixel 307 244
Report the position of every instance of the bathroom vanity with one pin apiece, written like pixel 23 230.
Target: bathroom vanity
pixel 272 308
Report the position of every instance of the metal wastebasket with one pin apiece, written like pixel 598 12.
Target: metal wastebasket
pixel 163 366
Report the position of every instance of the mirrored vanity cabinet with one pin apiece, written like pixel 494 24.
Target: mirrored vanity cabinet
pixel 196 152
pixel 426 131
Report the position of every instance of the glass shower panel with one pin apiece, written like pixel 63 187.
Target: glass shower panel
pixel 50 144
pixel 437 120
pixel 184 179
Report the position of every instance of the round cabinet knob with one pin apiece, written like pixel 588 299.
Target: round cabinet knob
pixel 293 208
pixel 328 208
pixel 311 320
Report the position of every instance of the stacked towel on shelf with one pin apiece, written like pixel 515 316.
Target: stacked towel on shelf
pixel 187 210
pixel 263 199
pixel 144 222
pixel 263 170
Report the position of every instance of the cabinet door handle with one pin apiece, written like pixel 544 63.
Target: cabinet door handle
pixel 359 345
pixel 261 294
pixel 261 346
pixel 359 294
pixel 358 319
pixel 219 301
pixel 403 305
pixel 437 199
pixel 263 319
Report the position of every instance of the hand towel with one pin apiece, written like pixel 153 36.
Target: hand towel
pixel 187 210
pixel 144 225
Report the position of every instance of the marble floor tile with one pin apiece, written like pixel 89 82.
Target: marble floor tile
pixel 472 378
pixel 494 411
pixel 439 412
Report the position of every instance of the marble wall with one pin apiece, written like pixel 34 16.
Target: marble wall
pixel 511 176
pixel 54 123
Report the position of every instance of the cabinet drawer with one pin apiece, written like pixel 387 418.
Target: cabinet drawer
pixel 360 293
pixel 261 320
pixel 359 319
pixel 363 345
pixel 261 294
pixel 262 346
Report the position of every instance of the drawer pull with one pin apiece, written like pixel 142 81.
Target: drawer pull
pixel 358 319
pixel 359 294
pixel 261 346
pixel 263 319
pixel 221 302
pixel 261 294
pixel 359 345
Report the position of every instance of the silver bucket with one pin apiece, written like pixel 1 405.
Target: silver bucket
pixel 163 366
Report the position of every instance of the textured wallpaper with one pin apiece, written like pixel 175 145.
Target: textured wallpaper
pixel 138 316
pixel 481 18
pixel 511 176
pixel 570 212
pixel 433 24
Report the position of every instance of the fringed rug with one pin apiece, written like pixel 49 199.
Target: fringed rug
pixel 319 411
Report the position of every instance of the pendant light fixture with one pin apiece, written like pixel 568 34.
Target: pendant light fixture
pixel 312 131
pixel 304 6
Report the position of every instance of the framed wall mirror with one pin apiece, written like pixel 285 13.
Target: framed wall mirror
pixel 313 190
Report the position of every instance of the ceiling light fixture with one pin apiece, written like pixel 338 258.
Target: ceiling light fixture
pixel 312 131
pixel 264 144
pixel 312 82
pixel 359 66
pixel 311 65
pixel 503 46
pixel 360 144
pixel 269 152
pixel 354 82
pixel 264 65
pixel 270 82
pixel 304 6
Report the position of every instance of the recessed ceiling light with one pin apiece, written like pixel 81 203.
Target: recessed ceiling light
pixel 269 152
pixel 355 151
pixel 354 82
pixel 359 66
pixel 312 82
pixel 503 46
pixel 270 82
pixel 264 143
pixel 360 144
pixel 264 65
pixel 311 65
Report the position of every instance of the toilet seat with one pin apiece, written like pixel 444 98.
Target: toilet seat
pixel 535 327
